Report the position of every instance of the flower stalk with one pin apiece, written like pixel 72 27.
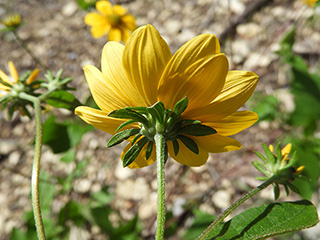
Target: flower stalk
pixel 36 166
pixel 234 206
pixel 161 157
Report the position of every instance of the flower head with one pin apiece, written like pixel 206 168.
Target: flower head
pixel 11 86
pixel 12 22
pixel 113 21
pixel 190 97
pixel 311 3
pixel 277 164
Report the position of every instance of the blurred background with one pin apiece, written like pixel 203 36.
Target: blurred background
pixel 85 192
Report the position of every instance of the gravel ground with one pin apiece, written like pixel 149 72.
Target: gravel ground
pixel 57 34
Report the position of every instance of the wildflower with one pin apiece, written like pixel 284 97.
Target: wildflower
pixel 12 22
pixel 113 21
pixel 310 3
pixel 278 165
pixel 192 92
pixel 11 86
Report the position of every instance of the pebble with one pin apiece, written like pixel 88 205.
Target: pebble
pixel 69 9
pixel 135 190
pixel 249 30
pixel 82 185
pixel 221 199
pixel 14 158
pixel 148 208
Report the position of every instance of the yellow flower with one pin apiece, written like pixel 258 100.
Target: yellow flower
pixel 12 21
pixel 310 3
pixel 144 72
pixel 13 80
pixel 112 21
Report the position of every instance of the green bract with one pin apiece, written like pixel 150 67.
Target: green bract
pixel 157 120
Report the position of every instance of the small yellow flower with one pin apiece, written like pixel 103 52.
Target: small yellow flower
pixel 310 3
pixel 12 21
pixel 144 71
pixel 13 80
pixel 113 21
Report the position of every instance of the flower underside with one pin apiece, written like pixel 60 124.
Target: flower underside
pixel 157 120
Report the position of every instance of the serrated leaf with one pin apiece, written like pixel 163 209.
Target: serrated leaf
pixel 175 147
pixel 133 152
pixel 189 143
pixel 197 130
pixel 267 221
pixel 123 135
pixel 128 114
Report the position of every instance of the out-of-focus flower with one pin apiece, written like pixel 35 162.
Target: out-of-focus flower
pixel 11 22
pixel 191 97
pixel 113 21
pixel 277 164
pixel 311 3
pixel 11 86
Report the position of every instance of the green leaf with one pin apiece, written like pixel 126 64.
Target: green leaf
pixel 197 130
pixel 189 143
pixel 119 137
pixel 267 221
pixel 201 221
pixel 133 152
pixel 175 147
pixel 128 114
pixel 69 156
pixel 122 125
pixel 149 150
pixel 63 99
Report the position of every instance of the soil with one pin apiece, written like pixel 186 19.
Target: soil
pixel 56 33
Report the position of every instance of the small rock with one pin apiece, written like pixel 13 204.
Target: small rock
pixel 122 173
pixel 249 30
pixel 222 199
pixel 69 9
pixel 148 208
pixel 14 158
pixel 135 190
pixel 82 185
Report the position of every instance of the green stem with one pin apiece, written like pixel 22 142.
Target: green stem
pixel 27 49
pixel 161 156
pixel 36 166
pixel 233 207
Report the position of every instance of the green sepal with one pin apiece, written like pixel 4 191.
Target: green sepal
pixel 175 147
pixel 119 137
pixel 149 150
pixel 189 121
pixel 177 111
pixel 263 158
pixel 269 154
pixel 128 114
pixel 278 151
pixel 122 125
pixel 136 137
pixel 5 83
pixel 260 167
pixel 197 130
pixel 189 143
pixel 133 152
pixel 138 109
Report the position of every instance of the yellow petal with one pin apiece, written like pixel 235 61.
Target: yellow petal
pixel 95 19
pixel 187 157
pixel 234 123
pixel 99 30
pixel 201 81
pixel 141 161
pixel 6 79
pixel 115 35
pixel 117 9
pixel 33 76
pixel 100 120
pixel 13 71
pixel 286 151
pixel 115 77
pixel 216 143
pixel 104 7
pixel 238 87
pixel 271 148
pixel 106 96
pixel 129 21
pixel 144 58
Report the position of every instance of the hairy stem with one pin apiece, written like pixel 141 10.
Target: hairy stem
pixel 36 166
pixel 233 207
pixel 161 156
